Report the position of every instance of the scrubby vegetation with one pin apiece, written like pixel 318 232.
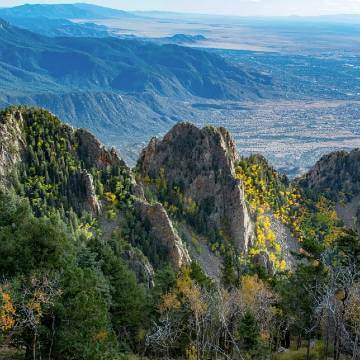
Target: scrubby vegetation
pixel 313 299
pixel 269 196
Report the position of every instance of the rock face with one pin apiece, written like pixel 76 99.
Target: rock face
pixel 162 228
pixel 12 143
pixel 94 153
pixel 201 162
pixel 334 175
pixel 337 177
pixel 349 212
pixel 141 266
pixel 91 200
pixel 163 231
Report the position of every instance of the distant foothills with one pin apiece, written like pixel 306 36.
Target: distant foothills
pixel 127 88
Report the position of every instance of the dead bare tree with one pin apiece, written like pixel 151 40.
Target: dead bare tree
pixel 332 301
pixel 37 301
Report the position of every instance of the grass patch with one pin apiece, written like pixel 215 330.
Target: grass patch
pixel 8 353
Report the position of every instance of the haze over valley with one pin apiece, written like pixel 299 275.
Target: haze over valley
pixel 288 88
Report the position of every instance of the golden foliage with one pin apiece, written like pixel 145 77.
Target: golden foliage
pixel 185 293
pixel 7 311
pixel 251 286
pixel 170 302
pixel 111 198
pixel 266 197
pixel 101 336
pixel 191 353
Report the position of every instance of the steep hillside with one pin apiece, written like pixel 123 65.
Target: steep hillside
pixel 236 205
pixel 57 167
pixel 336 176
pixel 192 172
pixel 56 27
pixel 200 165
pixel 98 261
pixel 79 258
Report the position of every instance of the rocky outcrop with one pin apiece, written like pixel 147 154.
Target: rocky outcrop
pixel 92 152
pixel 349 212
pixel 12 144
pixel 201 162
pixel 289 244
pixel 336 176
pixel 162 228
pixel 163 231
pixel 91 201
pixel 141 266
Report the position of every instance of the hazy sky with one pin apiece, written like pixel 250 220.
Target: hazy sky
pixel 232 7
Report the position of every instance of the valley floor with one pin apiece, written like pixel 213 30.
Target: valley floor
pixel 292 135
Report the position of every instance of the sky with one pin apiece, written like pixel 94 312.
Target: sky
pixel 226 7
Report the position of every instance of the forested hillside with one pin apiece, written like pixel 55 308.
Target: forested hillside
pixel 197 253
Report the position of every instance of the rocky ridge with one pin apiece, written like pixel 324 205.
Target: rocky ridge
pixel 12 142
pixel 337 177
pixel 201 165
pixel 201 162
pixel 163 231
pixel 92 154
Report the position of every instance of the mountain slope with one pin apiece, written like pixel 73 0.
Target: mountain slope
pixel 116 87
pixel 101 262
pixel 127 66
pixel 57 27
pixel 83 177
pixel 336 176
pixel 63 11
pixel 189 178
pixel 72 242
pixel 200 163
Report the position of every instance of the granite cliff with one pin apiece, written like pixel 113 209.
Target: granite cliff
pixel 336 176
pixel 40 157
pixel 201 163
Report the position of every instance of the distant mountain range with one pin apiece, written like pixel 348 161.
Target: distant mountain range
pixel 64 11
pixel 127 89
pixel 58 27
pixel 128 66
pixel 113 85
pixel 56 20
